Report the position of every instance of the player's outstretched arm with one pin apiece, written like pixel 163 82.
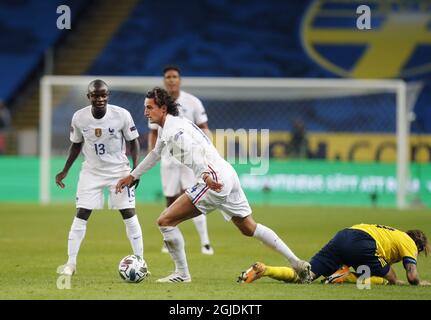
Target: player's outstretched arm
pixel 125 182
pixel 149 161
pixel 413 275
pixel 74 151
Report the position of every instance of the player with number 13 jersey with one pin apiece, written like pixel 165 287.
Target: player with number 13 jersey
pixel 101 132
pixel 104 147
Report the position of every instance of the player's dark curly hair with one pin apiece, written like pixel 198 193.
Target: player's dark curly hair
pixel 162 98
pixel 421 240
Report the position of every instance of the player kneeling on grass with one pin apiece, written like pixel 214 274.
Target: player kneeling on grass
pixel 375 246
pixel 217 186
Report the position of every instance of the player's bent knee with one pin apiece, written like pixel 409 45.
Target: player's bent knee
pixel 246 225
pixel 127 213
pixel 247 232
pixel 83 214
pixel 166 221
pixel 162 221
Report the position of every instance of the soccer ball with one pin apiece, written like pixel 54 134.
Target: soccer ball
pixel 133 269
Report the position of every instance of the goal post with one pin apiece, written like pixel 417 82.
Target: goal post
pixel 250 91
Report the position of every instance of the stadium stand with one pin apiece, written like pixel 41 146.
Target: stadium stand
pixel 27 29
pixel 206 38
pixel 94 26
pixel 229 38
pixel 210 38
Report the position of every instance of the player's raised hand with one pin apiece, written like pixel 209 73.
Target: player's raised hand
pixel 212 184
pixel 125 182
pixel 59 179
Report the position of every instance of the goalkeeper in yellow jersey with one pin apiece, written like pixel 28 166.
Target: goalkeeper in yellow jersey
pixel 375 246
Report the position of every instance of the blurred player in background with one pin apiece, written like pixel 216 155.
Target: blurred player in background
pixel 99 130
pixel 5 123
pixel 217 186
pixel 375 246
pixel 176 177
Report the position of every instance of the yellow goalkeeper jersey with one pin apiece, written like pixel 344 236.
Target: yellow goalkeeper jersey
pixel 392 245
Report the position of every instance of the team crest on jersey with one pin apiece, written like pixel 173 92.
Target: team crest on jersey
pixel 394 47
pixel 98 132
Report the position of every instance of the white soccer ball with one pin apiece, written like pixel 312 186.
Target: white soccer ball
pixel 133 269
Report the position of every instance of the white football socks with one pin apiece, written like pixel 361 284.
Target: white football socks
pixel 134 233
pixel 270 238
pixel 201 226
pixel 76 234
pixel 175 243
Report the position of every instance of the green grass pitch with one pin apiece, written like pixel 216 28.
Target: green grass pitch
pixel 33 241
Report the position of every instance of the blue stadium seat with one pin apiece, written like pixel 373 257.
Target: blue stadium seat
pixel 210 38
pixel 253 38
pixel 250 38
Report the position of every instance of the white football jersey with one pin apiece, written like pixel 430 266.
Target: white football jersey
pixel 188 144
pixel 104 147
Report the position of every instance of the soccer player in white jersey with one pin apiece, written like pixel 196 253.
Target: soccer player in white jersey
pixel 176 177
pixel 218 186
pixel 99 130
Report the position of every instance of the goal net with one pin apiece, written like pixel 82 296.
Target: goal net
pixel 292 141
